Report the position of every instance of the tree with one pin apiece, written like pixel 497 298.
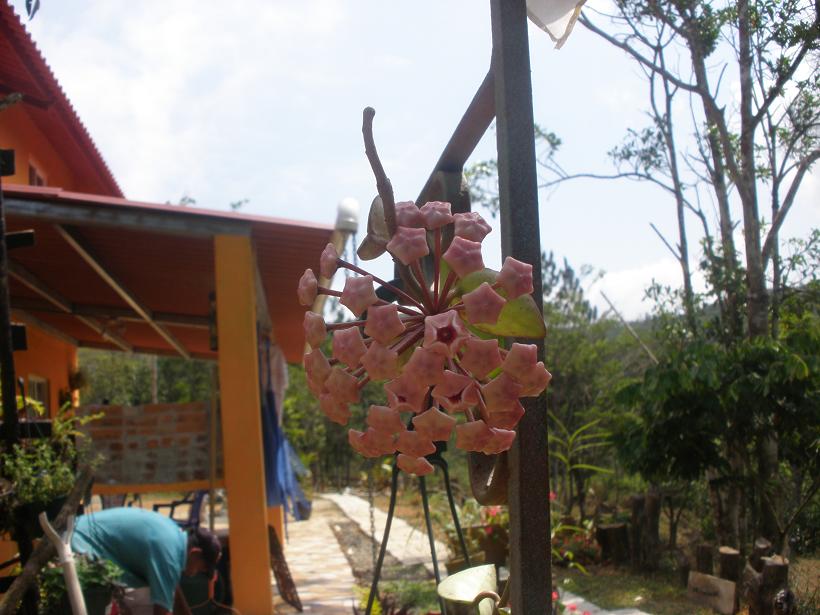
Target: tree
pixel 749 158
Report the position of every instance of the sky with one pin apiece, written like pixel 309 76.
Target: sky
pixel 262 101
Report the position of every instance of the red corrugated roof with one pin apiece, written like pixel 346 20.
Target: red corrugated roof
pixel 167 272
pixel 23 69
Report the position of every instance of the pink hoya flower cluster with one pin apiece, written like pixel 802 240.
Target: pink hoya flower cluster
pixel 435 367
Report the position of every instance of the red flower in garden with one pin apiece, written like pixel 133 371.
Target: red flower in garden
pixel 426 347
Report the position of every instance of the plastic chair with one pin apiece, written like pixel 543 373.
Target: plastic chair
pixel 193 499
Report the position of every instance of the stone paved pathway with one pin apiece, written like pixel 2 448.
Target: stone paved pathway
pixel 319 568
pixel 406 543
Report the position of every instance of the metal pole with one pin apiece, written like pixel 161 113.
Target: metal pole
pixel 7 382
pixel 530 574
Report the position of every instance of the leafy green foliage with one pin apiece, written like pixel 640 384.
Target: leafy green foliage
pixel 91 573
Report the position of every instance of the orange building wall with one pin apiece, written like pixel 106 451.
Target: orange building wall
pixel 18 132
pixel 48 358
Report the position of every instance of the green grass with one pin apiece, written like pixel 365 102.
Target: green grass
pixel 612 588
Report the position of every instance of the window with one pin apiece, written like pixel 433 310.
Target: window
pixel 38 390
pixel 34 176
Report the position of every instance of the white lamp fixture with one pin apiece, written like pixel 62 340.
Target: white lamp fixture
pixel 347 217
pixel 555 17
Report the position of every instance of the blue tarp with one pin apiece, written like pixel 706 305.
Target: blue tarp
pixel 281 486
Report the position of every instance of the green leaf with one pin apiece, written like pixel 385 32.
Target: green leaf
pixel 519 317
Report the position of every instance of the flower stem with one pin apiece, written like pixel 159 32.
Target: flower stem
pixel 327 291
pixel 442 300
pixel 411 336
pixel 346 325
pixel 394 289
pixel 383 185
pixel 426 297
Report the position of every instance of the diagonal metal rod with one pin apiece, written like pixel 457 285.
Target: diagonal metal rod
pixel 442 463
pixel 374 587
pixel 426 505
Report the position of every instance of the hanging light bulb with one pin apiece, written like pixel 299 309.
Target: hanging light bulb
pixel 555 17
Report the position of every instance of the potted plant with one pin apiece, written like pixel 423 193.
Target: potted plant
pixel 39 474
pixel 99 579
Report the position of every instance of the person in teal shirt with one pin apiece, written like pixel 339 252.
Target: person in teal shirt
pixel 152 551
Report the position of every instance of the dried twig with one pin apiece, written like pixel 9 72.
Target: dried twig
pixel 383 185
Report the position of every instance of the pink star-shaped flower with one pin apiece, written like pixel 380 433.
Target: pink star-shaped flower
pixel 348 346
pixel 434 425
pixel 500 440
pixel 501 392
pixel 414 444
pixel 343 386
pixel 471 225
pixel 436 214
pixel 408 244
pixel 384 419
pixel 328 261
pixel 358 294
pixel 520 360
pixel 380 362
pixel 456 392
pixel 316 387
pixel 425 366
pixel 515 278
pixel 472 436
pixel 444 333
pixel 464 256
pixel 535 380
pixel 379 442
pixel 308 287
pixel 507 419
pixel 406 394
pixel 315 329
pixel 336 411
pixel 483 305
pixel 383 323
pixel 317 367
pixel 480 357
pixel 407 214
pixel 414 465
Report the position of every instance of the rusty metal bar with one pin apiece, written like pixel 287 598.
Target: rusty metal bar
pixel 530 574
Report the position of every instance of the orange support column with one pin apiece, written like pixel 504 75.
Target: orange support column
pixel 242 425
pixel 276 519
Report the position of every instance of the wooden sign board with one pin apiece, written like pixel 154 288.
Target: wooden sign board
pixel 713 592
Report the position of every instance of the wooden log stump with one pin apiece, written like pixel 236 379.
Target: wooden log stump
pixel 644 537
pixel 703 559
pixel 775 578
pixel 729 564
pixel 761 588
pixel 614 541
pixel 762 548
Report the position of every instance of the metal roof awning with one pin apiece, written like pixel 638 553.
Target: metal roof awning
pixel 122 275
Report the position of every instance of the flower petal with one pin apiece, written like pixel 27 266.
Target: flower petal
pixel 500 440
pixel 472 436
pixel 464 256
pixel 380 362
pixel 436 214
pixel 483 305
pixel 507 419
pixel 515 278
pixel 434 424
pixel 408 244
pixel 336 411
pixel 471 225
pixel 407 214
pixel 315 329
pixel 348 346
pixel 328 261
pixel 383 323
pixel 406 394
pixel 343 386
pixel 317 366
pixel 385 419
pixel 520 360
pixel 425 366
pixel 414 444
pixel 414 465
pixel 444 333
pixel 480 357
pixel 308 287
pixel 358 294
pixel 501 392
